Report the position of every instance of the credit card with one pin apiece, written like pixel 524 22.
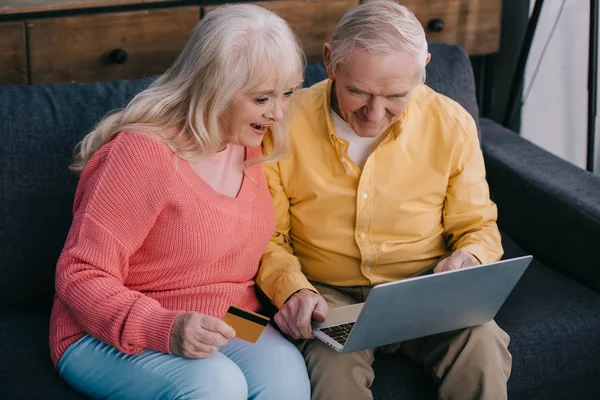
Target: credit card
pixel 247 324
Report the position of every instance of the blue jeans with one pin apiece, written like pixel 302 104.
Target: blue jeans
pixel 270 369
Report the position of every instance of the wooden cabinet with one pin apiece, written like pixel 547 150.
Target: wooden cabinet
pixel 108 46
pixel 44 41
pixel 13 56
pixel 472 24
pixel 313 21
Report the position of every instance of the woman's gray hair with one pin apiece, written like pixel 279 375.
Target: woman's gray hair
pixel 380 27
pixel 235 48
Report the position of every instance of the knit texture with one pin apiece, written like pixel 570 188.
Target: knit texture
pixel 151 239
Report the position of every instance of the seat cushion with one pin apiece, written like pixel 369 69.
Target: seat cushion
pixel 26 371
pixel 554 325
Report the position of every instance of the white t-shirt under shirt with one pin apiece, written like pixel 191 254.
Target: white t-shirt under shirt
pixel 359 148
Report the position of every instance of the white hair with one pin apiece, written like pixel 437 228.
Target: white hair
pixel 380 27
pixel 235 48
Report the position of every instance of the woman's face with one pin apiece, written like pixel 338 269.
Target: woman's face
pixel 246 120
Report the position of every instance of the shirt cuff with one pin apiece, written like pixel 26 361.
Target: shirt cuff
pixel 288 285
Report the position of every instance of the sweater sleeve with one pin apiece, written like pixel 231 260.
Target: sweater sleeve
pixel 119 197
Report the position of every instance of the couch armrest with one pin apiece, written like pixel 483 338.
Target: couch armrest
pixel 550 207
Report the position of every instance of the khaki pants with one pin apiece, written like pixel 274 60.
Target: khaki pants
pixel 472 363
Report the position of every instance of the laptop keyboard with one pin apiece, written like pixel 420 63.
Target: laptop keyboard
pixel 339 333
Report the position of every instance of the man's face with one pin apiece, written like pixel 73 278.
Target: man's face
pixel 372 91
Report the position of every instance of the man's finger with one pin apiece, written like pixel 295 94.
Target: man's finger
pixel 303 319
pixel 283 324
pixel 279 321
pixel 320 310
pixel 470 261
pixel 291 315
pixel 441 265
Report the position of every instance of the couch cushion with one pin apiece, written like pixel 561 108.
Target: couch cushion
pixel 554 324
pixel 26 371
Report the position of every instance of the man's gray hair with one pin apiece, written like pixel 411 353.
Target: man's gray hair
pixel 381 27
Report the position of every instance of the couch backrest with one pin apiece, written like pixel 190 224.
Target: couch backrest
pixel 40 126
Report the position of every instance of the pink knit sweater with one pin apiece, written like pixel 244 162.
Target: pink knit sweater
pixel 151 239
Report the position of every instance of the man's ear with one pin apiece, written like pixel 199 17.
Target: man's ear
pixel 428 58
pixel 327 61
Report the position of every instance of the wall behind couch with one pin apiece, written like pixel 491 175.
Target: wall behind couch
pixel 555 113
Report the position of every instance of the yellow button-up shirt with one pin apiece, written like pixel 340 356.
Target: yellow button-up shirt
pixel 421 192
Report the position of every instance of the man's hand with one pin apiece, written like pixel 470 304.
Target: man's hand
pixel 196 335
pixel 294 318
pixel 457 260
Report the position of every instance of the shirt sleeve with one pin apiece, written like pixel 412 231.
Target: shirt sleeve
pixel 115 208
pixel 469 214
pixel 280 273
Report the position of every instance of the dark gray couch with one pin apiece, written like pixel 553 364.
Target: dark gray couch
pixel 548 208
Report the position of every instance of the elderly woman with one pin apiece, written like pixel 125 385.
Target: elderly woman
pixel 170 219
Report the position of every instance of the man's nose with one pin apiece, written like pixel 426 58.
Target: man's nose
pixel 375 109
pixel 275 112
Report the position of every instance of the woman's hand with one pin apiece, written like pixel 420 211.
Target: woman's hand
pixel 196 335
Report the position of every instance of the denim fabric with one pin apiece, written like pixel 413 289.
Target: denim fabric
pixel 270 369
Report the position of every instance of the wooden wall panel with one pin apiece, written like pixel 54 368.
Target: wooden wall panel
pixel 13 54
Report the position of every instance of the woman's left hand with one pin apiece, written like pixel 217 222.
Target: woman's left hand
pixel 196 335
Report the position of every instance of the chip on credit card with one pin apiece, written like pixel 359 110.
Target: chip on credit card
pixel 247 324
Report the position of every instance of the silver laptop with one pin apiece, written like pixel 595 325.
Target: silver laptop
pixel 422 306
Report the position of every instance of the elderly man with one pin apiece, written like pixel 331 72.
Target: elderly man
pixel 386 178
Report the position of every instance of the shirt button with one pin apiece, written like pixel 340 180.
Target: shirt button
pixel 362 236
pixel 368 269
pixel 364 196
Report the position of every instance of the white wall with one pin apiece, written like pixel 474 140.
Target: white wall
pixel 555 113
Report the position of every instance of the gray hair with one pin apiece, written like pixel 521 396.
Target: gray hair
pixel 381 27
pixel 235 48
